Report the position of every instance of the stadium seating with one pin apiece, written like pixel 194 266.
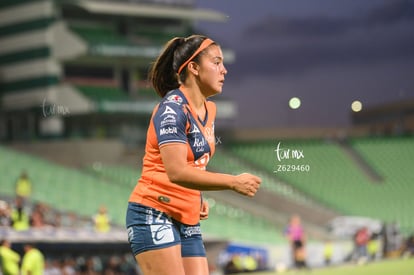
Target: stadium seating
pixel 393 160
pixel 82 192
pixel 334 179
pixel 122 175
pixel 235 224
pixel 227 163
pixel 338 182
pixel 63 188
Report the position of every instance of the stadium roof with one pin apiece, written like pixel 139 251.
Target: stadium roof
pixel 160 11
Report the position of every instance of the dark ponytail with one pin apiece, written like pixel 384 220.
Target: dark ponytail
pixel 163 73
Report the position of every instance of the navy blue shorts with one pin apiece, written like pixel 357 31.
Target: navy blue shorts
pixel 150 229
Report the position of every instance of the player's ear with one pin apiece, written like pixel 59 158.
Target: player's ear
pixel 193 67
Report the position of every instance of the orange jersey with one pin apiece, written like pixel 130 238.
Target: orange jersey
pixel 173 120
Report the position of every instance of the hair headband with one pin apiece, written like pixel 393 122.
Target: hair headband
pixel 207 42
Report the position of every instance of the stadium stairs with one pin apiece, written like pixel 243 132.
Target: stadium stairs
pixel 80 153
pixel 362 163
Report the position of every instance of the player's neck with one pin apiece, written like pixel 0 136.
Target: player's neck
pixel 196 100
pixel 194 96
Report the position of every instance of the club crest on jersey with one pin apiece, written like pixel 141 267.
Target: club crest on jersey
pixel 209 133
pixel 175 99
pixel 168 110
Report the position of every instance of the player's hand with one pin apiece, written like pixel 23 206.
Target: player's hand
pixel 247 184
pixel 204 210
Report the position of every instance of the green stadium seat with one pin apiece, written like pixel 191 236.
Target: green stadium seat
pixel 337 181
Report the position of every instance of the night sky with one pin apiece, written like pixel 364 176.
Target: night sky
pixel 326 52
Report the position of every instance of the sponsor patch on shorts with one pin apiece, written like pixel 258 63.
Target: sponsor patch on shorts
pixel 162 233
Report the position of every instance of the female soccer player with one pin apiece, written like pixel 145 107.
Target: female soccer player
pixel 166 205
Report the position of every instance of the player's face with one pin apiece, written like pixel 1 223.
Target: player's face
pixel 211 71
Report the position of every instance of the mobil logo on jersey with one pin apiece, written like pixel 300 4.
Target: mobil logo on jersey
pixel 168 131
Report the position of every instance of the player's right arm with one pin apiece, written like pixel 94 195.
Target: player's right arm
pixel 174 157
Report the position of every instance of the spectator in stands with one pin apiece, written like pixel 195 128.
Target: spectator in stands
pixel 88 267
pixel 68 266
pixel 52 267
pixel 19 215
pixel 328 252
pixel 37 217
pixel 234 265
pixel 36 220
pixel 43 217
pixel 409 246
pixel 113 266
pixel 9 259
pixel 5 219
pixel 166 206
pixel 373 246
pixel 101 220
pixel 297 240
pixel 361 239
pixel 395 238
pixel 50 217
pixel 23 186
pixel 69 220
pixel 33 261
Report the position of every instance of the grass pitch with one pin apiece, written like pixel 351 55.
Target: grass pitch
pixel 386 267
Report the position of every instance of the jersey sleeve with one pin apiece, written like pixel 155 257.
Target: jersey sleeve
pixel 170 123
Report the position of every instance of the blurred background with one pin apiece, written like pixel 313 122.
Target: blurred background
pixel 318 101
